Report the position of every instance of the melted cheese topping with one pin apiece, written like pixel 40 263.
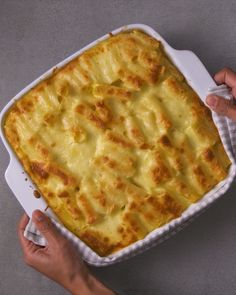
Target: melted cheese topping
pixel 117 142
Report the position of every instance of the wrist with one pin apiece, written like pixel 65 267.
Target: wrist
pixel 88 285
pixel 80 284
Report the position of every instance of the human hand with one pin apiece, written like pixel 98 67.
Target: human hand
pixel 59 260
pixel 219 104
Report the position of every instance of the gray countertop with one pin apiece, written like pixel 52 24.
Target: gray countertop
pixel 35 35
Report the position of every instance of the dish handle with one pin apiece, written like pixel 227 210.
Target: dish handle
pixel 22 187
pixel 194 71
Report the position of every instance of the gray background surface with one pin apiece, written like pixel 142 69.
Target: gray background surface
pixel 35 35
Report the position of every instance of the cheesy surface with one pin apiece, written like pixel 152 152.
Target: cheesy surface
pixel 117 142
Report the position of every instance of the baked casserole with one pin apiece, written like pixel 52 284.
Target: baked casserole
pixel 117 142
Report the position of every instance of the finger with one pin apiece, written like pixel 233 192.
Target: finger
pixel 46 227
pixel 228 77
pixel 222 106
pixel 27 246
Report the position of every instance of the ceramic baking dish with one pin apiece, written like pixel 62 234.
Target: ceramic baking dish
pixel 200 80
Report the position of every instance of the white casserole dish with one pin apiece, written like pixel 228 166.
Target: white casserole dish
pixel 200 80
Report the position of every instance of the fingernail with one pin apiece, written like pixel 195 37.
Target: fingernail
pixel 212 101
pixel 38 215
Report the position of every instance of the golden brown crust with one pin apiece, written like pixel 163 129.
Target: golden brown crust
pixel 117 142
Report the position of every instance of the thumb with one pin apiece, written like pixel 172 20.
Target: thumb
pixel 46 227
pixel 222 106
